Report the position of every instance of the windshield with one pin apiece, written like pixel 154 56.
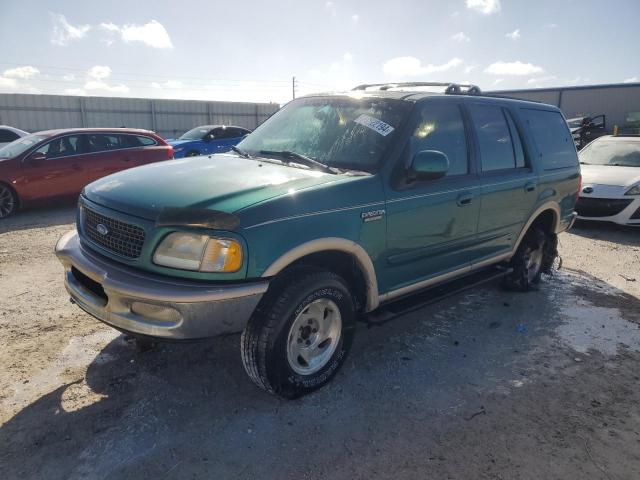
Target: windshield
pixel 21 145
pixel 197 133
pixel 617 153
pixel 340 132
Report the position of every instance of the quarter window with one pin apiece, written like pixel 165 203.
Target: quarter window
pixel 7 136
pixel 440 127
pixel 552 137
pixel 498 150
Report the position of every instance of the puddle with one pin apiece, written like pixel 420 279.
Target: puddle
pixel 587 326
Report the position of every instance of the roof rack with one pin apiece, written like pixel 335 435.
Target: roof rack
pixel 450 88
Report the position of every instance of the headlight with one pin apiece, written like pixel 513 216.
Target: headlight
pixel 633 190
pixel 192 251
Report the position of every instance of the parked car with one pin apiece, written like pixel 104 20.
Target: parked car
pixel 58 163
pixel 9 134
pixel 206 140
pixel 611 180
pixel 587 129
pixel 334 208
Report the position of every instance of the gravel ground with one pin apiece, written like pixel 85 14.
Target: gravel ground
pixel 485 384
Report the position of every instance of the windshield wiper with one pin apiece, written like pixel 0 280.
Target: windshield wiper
pixel 299 158
pixel 240 152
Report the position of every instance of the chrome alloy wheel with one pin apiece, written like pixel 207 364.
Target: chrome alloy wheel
pixel 7 201
pixel 533 263
pixel 314 336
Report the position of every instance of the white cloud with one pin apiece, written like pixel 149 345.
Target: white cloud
pixel 99 72
pixel 8 82
pixel 12 85
pixel 347 57
pixel 21 72
pixel 69 77
pixel 75 91
pixel 151 33
pixel 412 66
pixel 64 33
pixel 469 68
pixel 331 7
pixel 96 80
pixel 513 68
pixel 498 81
pixel 484 6
pixel 515 35
pixel 460 37
pixel 539 80
pixel 355 17
pixel 627 80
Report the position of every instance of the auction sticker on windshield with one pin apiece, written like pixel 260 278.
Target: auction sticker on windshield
pixel 374 124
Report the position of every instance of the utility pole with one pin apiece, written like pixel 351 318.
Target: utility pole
pixel 293 86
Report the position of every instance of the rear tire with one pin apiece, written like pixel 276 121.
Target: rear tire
pixel 529 262
pixel 300 334
pixel 8 201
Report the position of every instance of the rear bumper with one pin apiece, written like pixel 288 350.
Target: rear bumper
pixel 152 305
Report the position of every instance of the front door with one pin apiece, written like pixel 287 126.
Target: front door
pixel 431 225
pixel 60 173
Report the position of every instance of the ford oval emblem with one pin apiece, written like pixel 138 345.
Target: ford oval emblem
pixel 102 229
pixel 587 190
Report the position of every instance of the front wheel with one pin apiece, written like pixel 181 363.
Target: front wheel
pixel 8 201
pixel 300 334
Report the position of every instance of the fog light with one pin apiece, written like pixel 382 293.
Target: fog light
pixel 155 312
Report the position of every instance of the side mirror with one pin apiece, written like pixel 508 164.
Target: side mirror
pixel 37 157
pixel 428 165
pixel 208 137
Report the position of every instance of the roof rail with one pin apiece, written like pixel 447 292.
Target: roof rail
pixel 450 88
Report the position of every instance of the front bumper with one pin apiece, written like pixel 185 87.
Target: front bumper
pixel 153 305
pixel 604 209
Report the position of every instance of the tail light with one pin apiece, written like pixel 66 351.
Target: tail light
pixel 169 152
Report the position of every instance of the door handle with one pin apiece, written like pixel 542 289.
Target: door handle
pixel 530 186
pixel 464 199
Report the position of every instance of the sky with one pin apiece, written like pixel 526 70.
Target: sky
pixel 251 50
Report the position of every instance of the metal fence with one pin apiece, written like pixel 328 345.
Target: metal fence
pixel 169 118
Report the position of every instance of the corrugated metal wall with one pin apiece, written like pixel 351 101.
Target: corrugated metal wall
pixel 615 101
pixel 168 118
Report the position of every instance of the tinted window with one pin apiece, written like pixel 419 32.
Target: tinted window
pixel 497 150
pixel 7 136
pixel 21 145
pixel 138 141
pixel 440 127
pixel 552 137
pixel 61 147
pixel 101 142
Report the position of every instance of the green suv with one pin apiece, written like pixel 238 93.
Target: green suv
pixel 335 206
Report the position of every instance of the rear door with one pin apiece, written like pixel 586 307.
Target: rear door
pixel 508 182
pixel 225 138
pixel 143 150
pixel 106 153
pixel 61 173
pixel 431 225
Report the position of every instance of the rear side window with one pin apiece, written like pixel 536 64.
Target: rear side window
pixel 101 142
pixel 552 137
pixel 7 136
pixel 440 127
pixel 498 139
pixel 138 141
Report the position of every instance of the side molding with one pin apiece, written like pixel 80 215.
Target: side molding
pixel 333 243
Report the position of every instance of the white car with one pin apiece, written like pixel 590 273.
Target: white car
pixel 611 180
pixel 9 134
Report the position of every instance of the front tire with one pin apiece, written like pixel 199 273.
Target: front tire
pixel 529 262
pixel 8 201
pixel 300 334
pixel 192 153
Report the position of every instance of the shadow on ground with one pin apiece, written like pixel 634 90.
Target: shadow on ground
pixel 54 213
pixel 608 231
pixel 476 386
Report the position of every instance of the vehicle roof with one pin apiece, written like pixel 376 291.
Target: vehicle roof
pixel 219 126
pixel 620 138
pixel 13 129
pixel 59 131
pixel 418 96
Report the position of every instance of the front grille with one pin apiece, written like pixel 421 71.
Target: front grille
pixel 120 237
pixel 600 207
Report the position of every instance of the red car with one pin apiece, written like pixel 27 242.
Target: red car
pixel 59 163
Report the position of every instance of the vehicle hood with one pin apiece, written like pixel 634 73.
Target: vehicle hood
pixel 177 143
pixel 610 175
pixel 221 182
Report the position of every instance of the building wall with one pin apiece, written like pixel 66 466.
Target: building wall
pixel 169 118
pixel 615 101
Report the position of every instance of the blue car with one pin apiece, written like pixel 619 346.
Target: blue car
pixel 207 139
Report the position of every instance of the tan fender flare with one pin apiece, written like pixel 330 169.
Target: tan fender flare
pixel 336 244
pixel 554 207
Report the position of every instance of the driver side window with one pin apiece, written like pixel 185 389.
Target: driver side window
pixel 440 127
pixel 61 147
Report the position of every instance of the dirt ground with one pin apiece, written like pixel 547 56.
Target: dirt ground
pixel 485 384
